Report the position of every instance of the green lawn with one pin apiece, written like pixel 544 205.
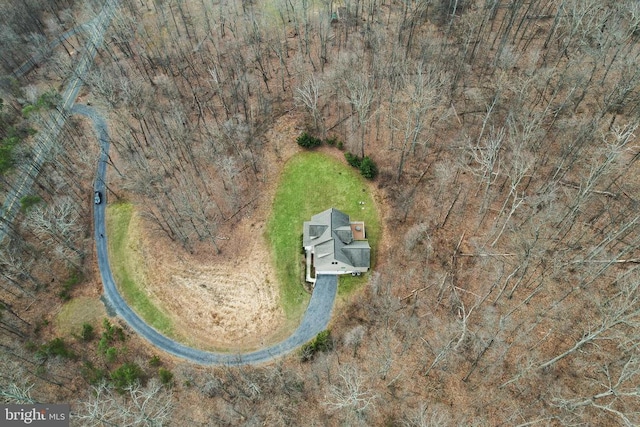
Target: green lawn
pixel 311 183
pixel 127 268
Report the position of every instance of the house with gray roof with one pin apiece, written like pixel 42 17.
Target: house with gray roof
pixel 335 245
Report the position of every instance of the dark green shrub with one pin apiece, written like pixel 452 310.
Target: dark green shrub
pixel 108 330
pixel 55 347
pixel 103 345
pixel 48 99
pixel 155 361
pixel 111 354
pixel 332 141
pixel 335 142
pixel 110 335
pixel 120 334
pixel 166 376
pixel 126 375
pixel 352 159
pixel 112 332
pixel 69 284
pixel 6 153
pixel 27 202
pixel 368 168
pixel 27 110
pixel 87 333
pixel 322 342
pixel 92 374
pixel 307 141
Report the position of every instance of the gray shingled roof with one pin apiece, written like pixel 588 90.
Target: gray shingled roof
pixel 330 233
pixel 359 254
pixel 316 230
pixel 344 233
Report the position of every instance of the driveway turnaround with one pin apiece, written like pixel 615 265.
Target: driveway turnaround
pixel 315 320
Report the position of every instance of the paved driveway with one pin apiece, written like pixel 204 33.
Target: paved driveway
pixel 315 320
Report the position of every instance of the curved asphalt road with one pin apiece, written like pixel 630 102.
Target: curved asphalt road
pixel 315 319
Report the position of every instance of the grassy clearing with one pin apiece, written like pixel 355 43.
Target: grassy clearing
pixel 78 311
pixel 313 182
pixel 126 267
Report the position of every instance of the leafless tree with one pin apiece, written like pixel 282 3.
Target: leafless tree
pixel 520 163
pixel 427 88
pixel 618 313
pixel 353 338
pixel 426 416
pixel 308 94
pixel 616 394
pixel 151 405
pixel 351 393
pixel 58 225
pixel 456 335
pixel 599 166
pixel 15 267
pixel 485 153
pixel 15 393
pixel 360 95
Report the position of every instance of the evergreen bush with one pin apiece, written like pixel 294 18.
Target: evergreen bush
pixel 368 168
pixel 352 159
pixel 307 141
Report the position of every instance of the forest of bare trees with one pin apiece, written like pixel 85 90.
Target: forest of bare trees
pixel 505 135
